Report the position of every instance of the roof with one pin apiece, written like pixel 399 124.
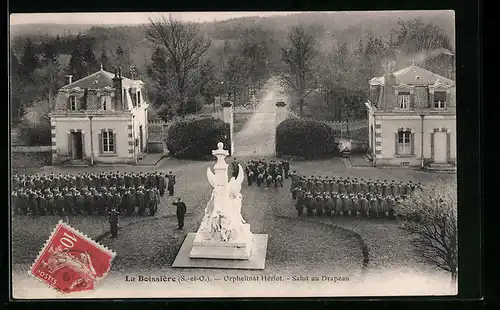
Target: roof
pixel 414 75
pixel 100 79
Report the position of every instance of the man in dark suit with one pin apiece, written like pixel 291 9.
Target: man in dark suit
pixel 181 212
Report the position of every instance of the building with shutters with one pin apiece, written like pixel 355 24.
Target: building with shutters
pixel 101 118
pixel 412 118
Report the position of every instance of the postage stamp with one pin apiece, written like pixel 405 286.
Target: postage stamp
pixel 70 261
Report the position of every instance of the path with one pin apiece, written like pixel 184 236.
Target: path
pixel 259 133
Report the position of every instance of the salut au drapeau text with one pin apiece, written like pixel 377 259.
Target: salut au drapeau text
pixel 233 279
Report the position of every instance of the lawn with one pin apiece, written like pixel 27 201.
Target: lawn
pixel 295 246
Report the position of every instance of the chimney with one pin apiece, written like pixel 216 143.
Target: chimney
pixel 389 100
pixel 69 78
pixel 118 86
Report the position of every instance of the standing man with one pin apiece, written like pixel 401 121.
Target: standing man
pixel 235 168
pixel 299 203
pixel 140 200
pixel 171 183
pixel 162 183
pixel 154 200
pixel 250 176
pixel 113 221
pixel 286 168
pixel 180 212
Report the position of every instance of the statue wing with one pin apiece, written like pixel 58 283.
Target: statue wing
pixel 241 174
pixel 211 177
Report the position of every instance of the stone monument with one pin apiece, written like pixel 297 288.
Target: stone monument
pixel 224 239
pixel 223 233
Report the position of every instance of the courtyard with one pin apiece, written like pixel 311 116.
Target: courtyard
pixel 296 245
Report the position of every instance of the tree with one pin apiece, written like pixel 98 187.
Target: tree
pixel 184 49
pixel 122 59
pixel 76 64
pixel 48 76
pixel 29 60
pixel 105 61
pixel 299 71
pixel 15 88
pixel 430 216
pixel 89 58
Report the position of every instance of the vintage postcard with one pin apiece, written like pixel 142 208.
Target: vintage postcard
pixel 233 154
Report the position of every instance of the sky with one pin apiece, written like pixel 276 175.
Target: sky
pixel 129 18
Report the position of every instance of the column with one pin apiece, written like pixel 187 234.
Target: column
pixel 131 141
pixel 280 112
pixel 54 141
pixel 227 117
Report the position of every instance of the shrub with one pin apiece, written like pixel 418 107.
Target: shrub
pixel 34 128
pixel 196 138
pixel 305 138
pixel 430 216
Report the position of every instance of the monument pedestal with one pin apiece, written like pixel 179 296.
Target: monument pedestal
pixel 224 239
pixel 257 260
pixel 241 248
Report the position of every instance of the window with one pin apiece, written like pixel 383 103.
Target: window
pixel 108 141
pixel 404 143
pixel 105 103
pixel 72 103
pixel 404 100
pixel 440 100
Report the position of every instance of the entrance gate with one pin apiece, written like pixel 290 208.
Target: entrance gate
pixel 253 132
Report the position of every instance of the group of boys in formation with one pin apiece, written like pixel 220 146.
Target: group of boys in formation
pixel 90 193
pixel 348 196
pixel 264 173
pixel 330 196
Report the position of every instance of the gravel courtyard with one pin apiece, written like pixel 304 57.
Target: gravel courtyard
pixel 295 246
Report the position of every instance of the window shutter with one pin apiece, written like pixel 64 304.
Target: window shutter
pixel 448 148
pixel 440 96
pixel 432 145
pixel 83 145
pixel 69 103
pixel 114 143
pixel 412 143
pixel 70 145
pixel 412 101
pixel 396 136
pixel 100 142
pixel 431 100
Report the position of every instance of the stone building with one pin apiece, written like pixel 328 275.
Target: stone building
pixel 412 119
pixel 101 118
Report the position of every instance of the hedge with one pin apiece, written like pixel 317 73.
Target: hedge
pixel 196 138
pixel 305 138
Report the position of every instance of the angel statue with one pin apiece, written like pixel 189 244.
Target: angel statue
pixel 223 212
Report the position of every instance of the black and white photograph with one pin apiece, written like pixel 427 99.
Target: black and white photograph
pixel 233 154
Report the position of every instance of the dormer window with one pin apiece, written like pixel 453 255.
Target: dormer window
pixel 404 100
pixel 105 103
pixel 439 99
pixel 72 103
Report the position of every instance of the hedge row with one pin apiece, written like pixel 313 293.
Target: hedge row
pixel 196 138
pixel 305 138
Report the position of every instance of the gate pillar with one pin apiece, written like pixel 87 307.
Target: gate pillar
pixel 280 112
pixel 227 117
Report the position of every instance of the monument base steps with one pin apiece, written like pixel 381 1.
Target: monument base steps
pixel 252 256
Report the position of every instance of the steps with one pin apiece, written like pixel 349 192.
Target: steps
pixel 441 168
pixel 77 163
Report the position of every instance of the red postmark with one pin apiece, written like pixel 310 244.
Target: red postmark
pixel 70 261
